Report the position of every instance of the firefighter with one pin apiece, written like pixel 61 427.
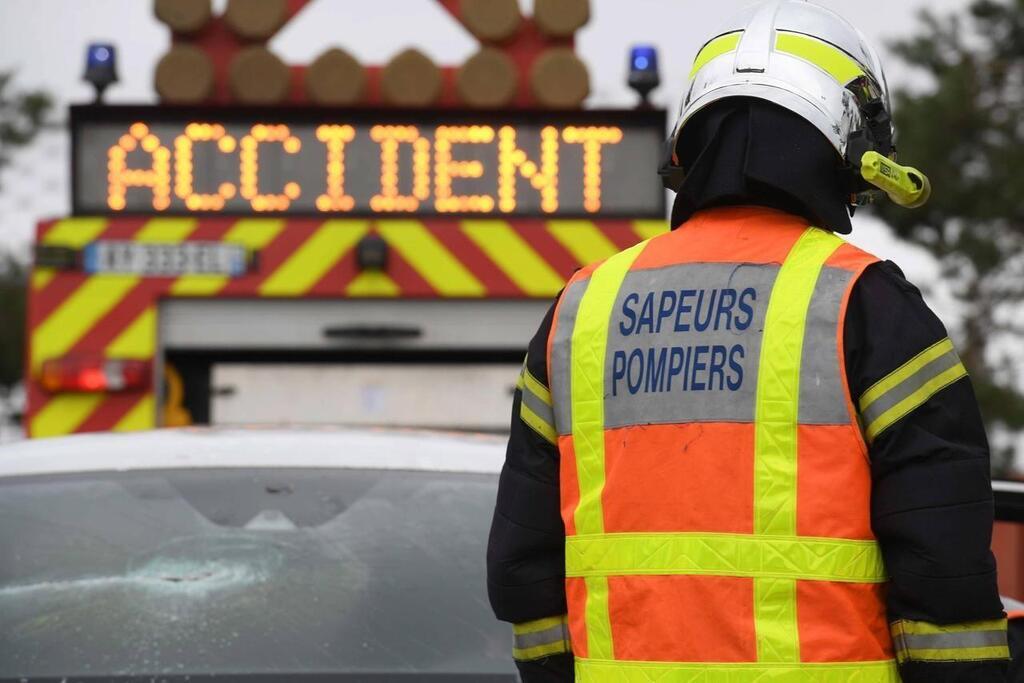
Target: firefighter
pixel 746 450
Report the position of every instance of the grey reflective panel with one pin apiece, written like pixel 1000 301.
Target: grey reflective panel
pixel 684 344
pixel 561 393
pixel 539 407
pixel 953 641
pixel 555 634
pixel 822 396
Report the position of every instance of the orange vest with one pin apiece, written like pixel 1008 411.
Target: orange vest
pixel 715 484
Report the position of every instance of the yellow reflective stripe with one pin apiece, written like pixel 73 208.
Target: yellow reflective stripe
pixel 517 259
pixel 583 240
pixel 138 340
pixel 430 258
pixel 42 276
pixel 775 433
pixel 601 671
pixel 646 230
pixel 915 400
pixel 537 423
pixel 314 258
pixel 973 641
pixel 589 348
pixel 770 557
pixel 255 233
pixel 166 230
pixel 77 315
pixel 373 284
pixel 252 233
pixel 829 58
pixel 905 372
pixel 539 624
pixel 198 285
pixel 540 651
pixel 963 654
pixel 778 385
pixel 926 628
pixel 716 48
pixel 141 416
pixel 70 232
pixel 75 232
pixel 533 385
pixel 598 618
pixel 778 635
pixel 63 414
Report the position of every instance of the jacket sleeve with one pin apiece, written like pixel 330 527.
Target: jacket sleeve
pixel 932 506
pixel 526 550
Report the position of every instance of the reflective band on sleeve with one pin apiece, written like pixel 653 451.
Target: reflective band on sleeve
pixel 825 56
pixel 805 558
pixel 535 387
pixel 589 346
pixel 594 671
pixel 722 45
pixel 535 408
pixel 541 638
pixel 923 642
pixel 909 387
pixel 540 422
pixel 776 415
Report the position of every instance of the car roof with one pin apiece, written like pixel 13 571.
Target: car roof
pixel 258 447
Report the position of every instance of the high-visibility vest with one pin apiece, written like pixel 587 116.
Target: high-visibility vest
pixel 715 483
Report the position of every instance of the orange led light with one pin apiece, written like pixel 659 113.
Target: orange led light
pixel 446 169
pixel 184 182
pixel 249 167
pixel 390 199
pixel 335 138
pixel 593 138
pixel 513 161
pixel 157 177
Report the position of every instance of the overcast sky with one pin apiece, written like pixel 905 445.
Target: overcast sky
pixel 45 42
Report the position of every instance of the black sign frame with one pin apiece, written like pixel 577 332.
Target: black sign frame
pixel 81 115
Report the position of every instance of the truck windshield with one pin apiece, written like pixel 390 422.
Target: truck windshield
pixel 374 574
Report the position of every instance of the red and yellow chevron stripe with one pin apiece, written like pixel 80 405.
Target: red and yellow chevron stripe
pixel 116 315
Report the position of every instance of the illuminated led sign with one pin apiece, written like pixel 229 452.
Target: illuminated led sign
pixel 177 161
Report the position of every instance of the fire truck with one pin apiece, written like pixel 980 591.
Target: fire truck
pixel 333 242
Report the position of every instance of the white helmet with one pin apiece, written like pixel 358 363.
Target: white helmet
pixel 804 58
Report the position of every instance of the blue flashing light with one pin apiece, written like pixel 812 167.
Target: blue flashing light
pixel 644 58
pixel 100 55
pixel 101 67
